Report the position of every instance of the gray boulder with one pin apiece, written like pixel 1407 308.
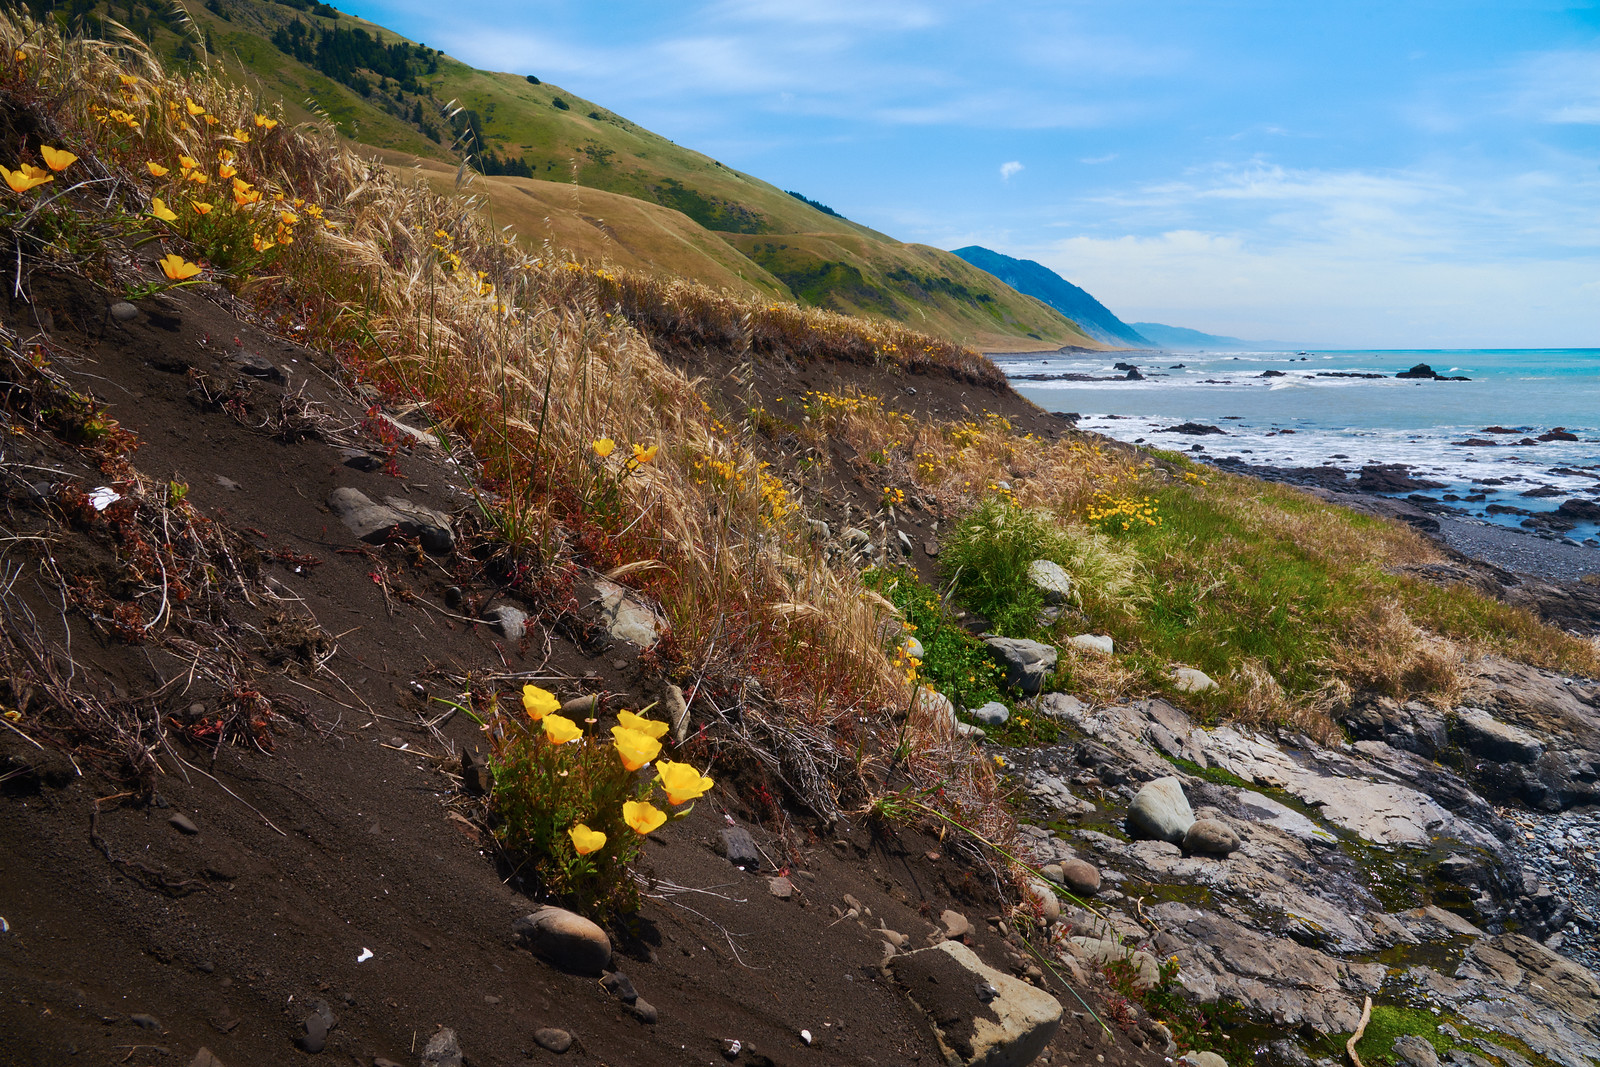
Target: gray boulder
pixel 1027 663
pixel 1414 1051
pixel 1081 877
pixel 565 939
pixel 1049 578
pixel 1211 837
pixel 1161 811
pixel 993 713
pixel 1093 643
pixel 377 523
pixel 1190 680
pixel 981 1017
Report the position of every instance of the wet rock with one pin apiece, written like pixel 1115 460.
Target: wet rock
pixel 993 713
pixel 626 618
pixel 1008 1026
pixel 1191 680
pixel 442 1050
pixel 1194 429
pixel 1051 580
pixel 740 848
pixel 1210 837
pixel 1161 811
pixel 565 939
pixel 1027 663
pixel 183 824
pixel 552 1039
pixel 511 622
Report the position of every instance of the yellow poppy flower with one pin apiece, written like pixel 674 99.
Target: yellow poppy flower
pixel 200 207
pixel 194 108
pixel 225 154
pixel 558 729
pixel 265 123
pixel 604 446
pixel 642 815
pixel 57 159
pixel 197 176
pixel 245 197
pixel 241 136
pixel 156 169
pixel 634 748
pixel 161 211
pixel 630 721
pixel 25 177
pixel 226 171
pixel 682 782
pixel 261 244
pixel 178 269
pixel 538 702
pixel 211 120
pixel 585 840
pixel 188 162
pixel 289 218
pixel 643 455
pixel 127 80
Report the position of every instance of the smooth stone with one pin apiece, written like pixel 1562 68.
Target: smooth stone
pixel 1052 580
pixel 257 367
pixel 993 713
pixel 1210 837
pixel 1044 898
pixel 183 824
pixel 376 523
pixel 626 618
pixel 1203 1059
pixel 913 648
pixel 1189 680
pixel 1052 871
pixel 677 712
pixel 552 1040
pixel 780 887
pixel 1092 643
pixel 1161 811
pixel 956 925
pixel 981 1017
pixel 644 1011
pixel 205 1058
pixel 967 729
pixel 1081 877
pixel 565 939
pixel 145 1022
pixel 620 986
pixel 443 1050
pixel 123 311
pixel 740 848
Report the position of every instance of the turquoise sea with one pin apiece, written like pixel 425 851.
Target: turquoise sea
pixel 1291 409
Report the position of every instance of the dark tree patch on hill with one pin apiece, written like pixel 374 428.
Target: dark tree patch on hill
pixel 712 212
pixel 824 208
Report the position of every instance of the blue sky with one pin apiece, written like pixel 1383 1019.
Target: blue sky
pixel 1392 174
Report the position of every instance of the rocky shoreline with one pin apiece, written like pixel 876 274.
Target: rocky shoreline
pixel 1441 863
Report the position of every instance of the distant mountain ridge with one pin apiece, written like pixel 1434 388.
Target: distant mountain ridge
pixel 1042 283
pixel 1182 337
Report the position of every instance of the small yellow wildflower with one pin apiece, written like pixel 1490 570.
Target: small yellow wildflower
pixel 538 702
pixel 585 840
pixel 642 815
pixel 178 269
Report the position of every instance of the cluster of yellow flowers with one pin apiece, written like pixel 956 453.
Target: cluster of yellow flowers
pixel 1124 513
pixel 641 455
pixel 776 497
pixel 637 741
pixel 27 176
pixel 906 663
pixel 965 434
pixel 893 497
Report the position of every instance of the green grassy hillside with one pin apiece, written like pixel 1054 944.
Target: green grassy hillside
pixel 566 171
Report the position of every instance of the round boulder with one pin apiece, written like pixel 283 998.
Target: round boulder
pixel 1202 1059
pixel 1211 837
pixel 1161 811
pixel 1040 895
pixel 565 939
pixel 993 713
pixel 1080 877
pixel 1051 580
pixel 1190 680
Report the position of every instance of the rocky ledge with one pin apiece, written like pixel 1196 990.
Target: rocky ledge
pixel 1442 861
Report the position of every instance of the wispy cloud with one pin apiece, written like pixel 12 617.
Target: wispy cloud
pixel 1009 170
pixel 1559 87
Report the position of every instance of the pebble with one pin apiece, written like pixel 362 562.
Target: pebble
pixel 317 1025
pixel 730 1048
pixel 620 986
pixel 147 1022
pixel 511 622
pixel 205 1058
pixel 993 713
pixel 552 1040
pixel 183 824
pixel 780 887
pixel 257 367
pixel 956 925
pixel 443 1050
pixel 123 311
pixel 645 1011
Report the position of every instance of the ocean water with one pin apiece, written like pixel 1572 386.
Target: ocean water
pixel 1304 417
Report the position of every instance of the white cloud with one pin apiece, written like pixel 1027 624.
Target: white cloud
pixel 1009 169
pixel 1559 87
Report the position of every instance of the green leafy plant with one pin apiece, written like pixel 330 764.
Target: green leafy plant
pixel 571 804
pixel 953 661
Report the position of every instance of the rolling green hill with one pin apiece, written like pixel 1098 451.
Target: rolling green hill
pixel 566 171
